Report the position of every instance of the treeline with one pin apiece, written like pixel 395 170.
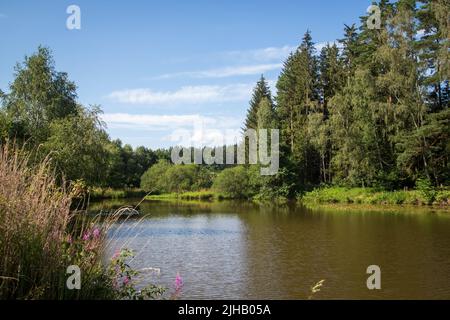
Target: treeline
pixel 369 110
pixel 41 111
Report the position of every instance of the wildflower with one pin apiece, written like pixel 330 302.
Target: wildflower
pixel 86 236
pixel 126 280
pixel 96 233
pixel 178 282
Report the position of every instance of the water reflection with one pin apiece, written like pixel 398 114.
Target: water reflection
pixel 239 250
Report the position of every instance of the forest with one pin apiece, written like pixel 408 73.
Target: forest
pixel 370 110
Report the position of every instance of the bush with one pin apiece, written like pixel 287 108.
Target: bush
pixel 370 196
pixel 426 189
pixel 166 178
pixel 237 183
pixel 153 179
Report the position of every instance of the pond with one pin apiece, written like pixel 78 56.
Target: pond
pixel 242 250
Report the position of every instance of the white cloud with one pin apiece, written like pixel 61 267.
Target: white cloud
pixel 195 130
pixel 184 95
pixel 270 58
pixel 262 55
pixel 321 45
pixel 269 54
pixel 153 122
pixel 225 72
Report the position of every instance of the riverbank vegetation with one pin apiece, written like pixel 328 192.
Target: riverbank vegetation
pixel 372 196
pixel 40 237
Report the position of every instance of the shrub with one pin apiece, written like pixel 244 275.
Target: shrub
pixel 166 178
pixel 426 189
pixel 237 182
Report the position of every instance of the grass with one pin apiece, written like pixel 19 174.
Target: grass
pixel 370 196
pixel 203 195
pixel 40 237
pixel 110 193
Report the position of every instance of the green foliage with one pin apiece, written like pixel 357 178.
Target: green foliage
pixel 39 95
pixel 426 189
pixel 153 180
pixel 77 145
pixel 127 165
pixel 369 196
pixel 371 114
pixel 260 92
pixel 238 182
pixel 124 281
pixel 166 178
pixel 426 150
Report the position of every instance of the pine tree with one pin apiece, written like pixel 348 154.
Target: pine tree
pixel 350 49
pixel 434 19
pixel 260 91
pixel 332 79
pixel 298 96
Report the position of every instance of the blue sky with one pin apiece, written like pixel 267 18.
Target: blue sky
pixel 158 67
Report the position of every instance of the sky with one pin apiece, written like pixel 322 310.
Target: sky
pixel 169 72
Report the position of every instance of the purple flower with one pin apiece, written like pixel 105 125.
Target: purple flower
pixel 86 236
pixel 126 280
pixel 96 233
pixel 178 282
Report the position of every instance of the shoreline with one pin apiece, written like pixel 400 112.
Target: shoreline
pixel 334 197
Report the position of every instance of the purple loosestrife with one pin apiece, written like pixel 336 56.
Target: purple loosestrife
pixel 178 282
pixel 96 233
pixel 86 236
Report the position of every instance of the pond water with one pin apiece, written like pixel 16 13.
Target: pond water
pixel 241 250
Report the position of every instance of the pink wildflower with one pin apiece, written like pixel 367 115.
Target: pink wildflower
pixel 96 233
pixel 178 282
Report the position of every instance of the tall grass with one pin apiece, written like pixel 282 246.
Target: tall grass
pixel 40 237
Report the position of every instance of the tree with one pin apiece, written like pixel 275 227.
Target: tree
pixel 298 96
pixel 261 91
pixel 235 183
pixel 434 23
pixel 265 116
pixel 39 95
pixel 350 51
pixel 154 179
pixel 77 146
pixel 426 152
pixel 164 177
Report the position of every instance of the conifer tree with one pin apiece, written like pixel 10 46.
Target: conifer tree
pixel 260 91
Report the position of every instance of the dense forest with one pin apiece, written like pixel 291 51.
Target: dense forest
pixel 369 110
